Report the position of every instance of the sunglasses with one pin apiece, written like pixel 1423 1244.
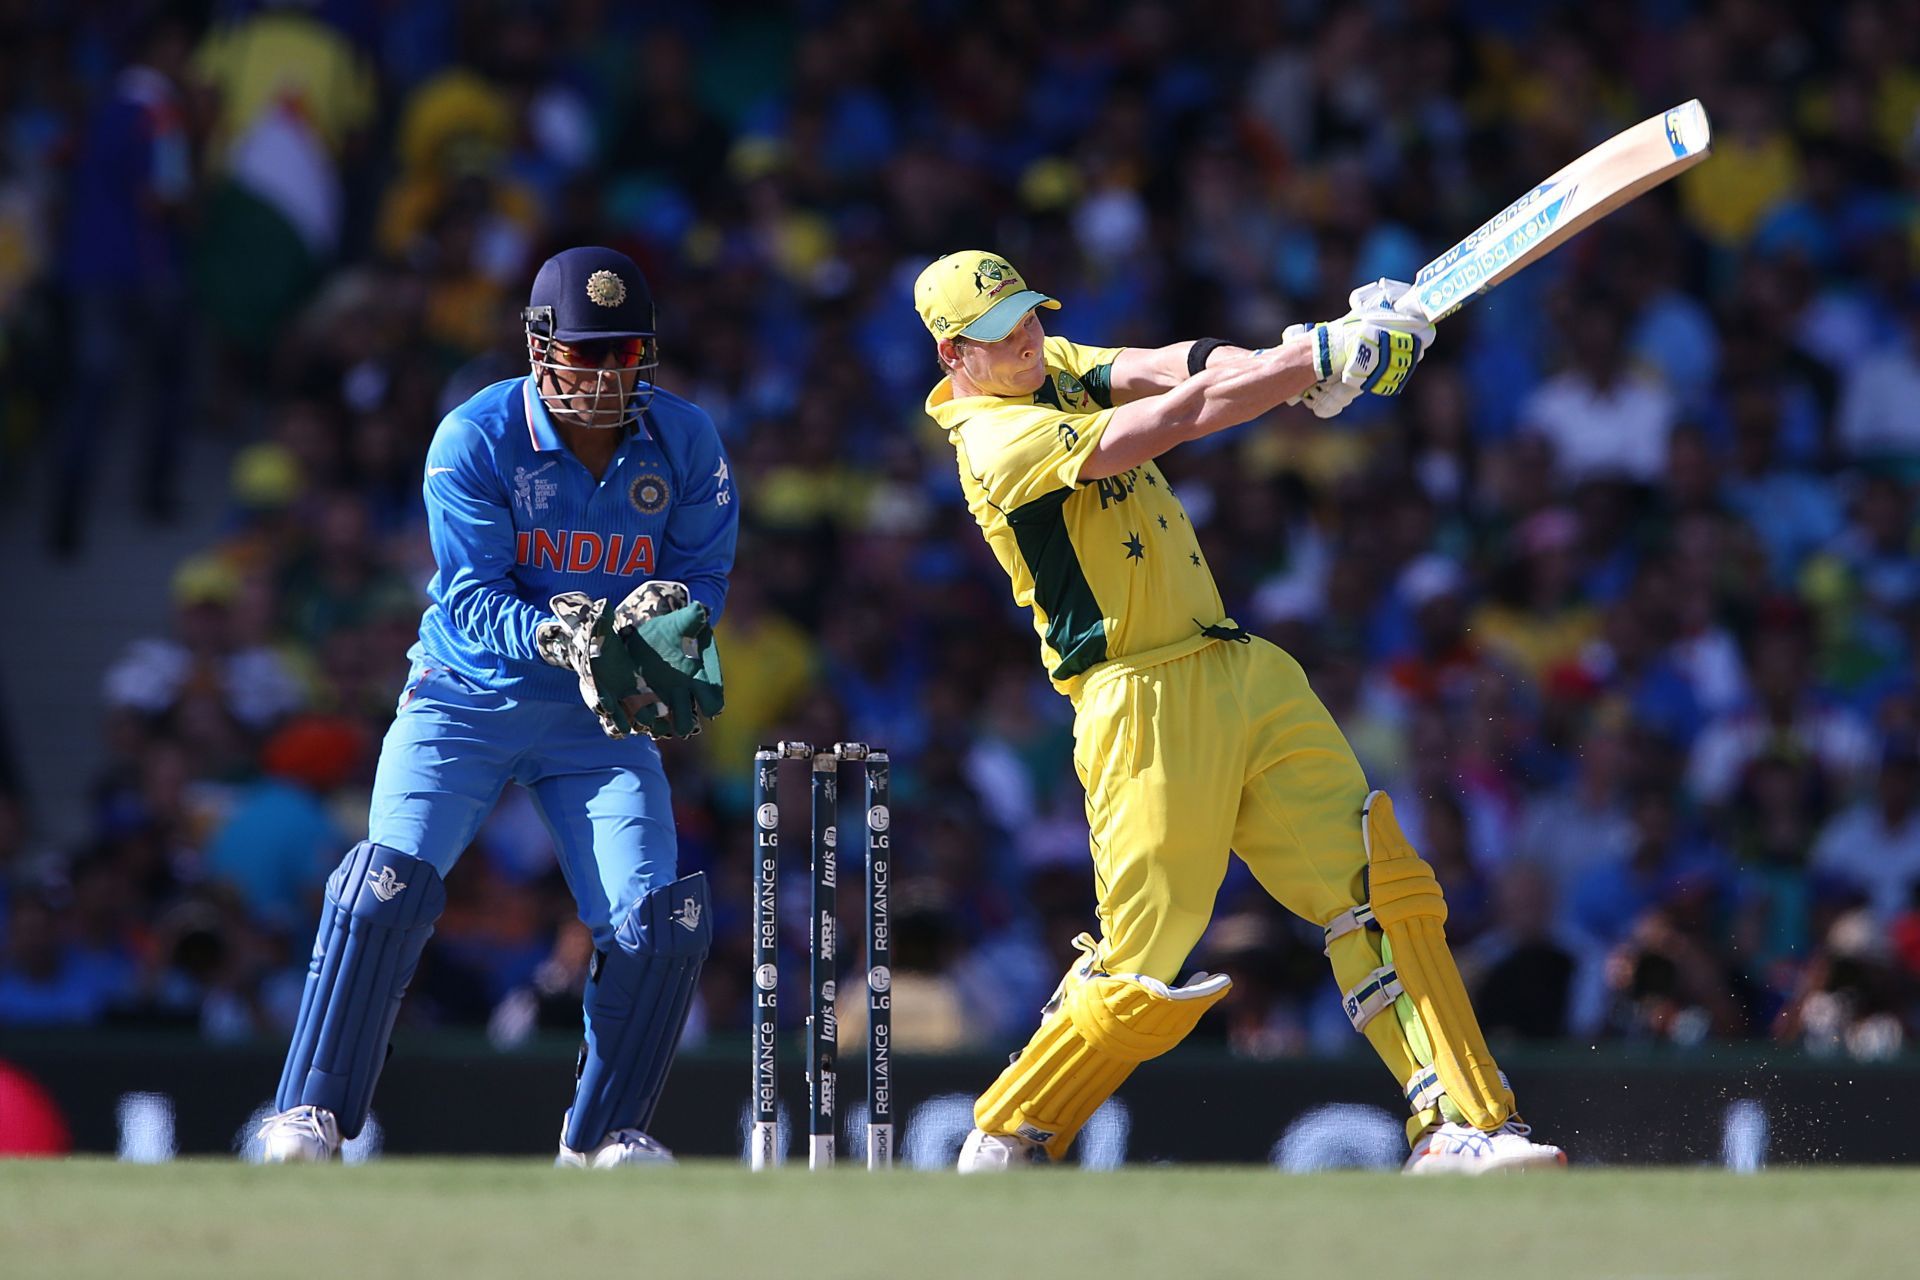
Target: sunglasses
pixel 598 353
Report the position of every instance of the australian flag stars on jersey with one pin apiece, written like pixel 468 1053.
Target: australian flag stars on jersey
pixel 515 519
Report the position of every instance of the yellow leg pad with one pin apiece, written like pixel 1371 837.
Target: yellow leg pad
pixel 1411 912
pixel 1106 1025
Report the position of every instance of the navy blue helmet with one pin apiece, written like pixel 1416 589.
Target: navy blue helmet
pixel 591 337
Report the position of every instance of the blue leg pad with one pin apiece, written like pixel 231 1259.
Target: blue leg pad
pixel 380 909
pixel 636 1004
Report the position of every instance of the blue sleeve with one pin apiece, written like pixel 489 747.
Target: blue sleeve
pixel 471 528
pixel 705 523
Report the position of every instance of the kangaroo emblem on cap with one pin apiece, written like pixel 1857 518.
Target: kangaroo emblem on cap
pixel 606 288
pixel 999 272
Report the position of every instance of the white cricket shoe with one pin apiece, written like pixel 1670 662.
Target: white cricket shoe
pixel 1461 1148
pixel 621 1147
pixel 984 1152
pixel 302 1135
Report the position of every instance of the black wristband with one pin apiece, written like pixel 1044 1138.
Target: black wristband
pixel 1200 351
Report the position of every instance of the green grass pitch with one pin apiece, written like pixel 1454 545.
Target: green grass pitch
pixel 477 1219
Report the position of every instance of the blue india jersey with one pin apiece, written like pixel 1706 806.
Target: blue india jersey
pixel 515 519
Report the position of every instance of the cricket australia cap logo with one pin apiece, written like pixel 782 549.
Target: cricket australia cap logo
pixel 606 289
pixel 688 916
pixel 649 493
pixel 992 276
pixel 386 886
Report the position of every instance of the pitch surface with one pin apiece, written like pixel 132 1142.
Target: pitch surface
pixel 474 1219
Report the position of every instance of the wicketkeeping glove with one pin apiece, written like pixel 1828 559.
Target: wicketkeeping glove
pixel 675 657
pixel 581 639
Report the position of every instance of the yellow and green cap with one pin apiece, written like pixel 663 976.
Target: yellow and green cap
pixel 974 294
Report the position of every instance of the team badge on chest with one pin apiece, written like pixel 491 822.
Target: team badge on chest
pixel 649 493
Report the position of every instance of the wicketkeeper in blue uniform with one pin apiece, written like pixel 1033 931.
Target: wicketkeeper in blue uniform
pixel 548 496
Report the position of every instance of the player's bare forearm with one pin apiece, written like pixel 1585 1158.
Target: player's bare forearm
pixel 1225 394
pixel 1139 372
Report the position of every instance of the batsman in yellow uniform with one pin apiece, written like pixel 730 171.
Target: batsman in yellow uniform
pixel 1192 738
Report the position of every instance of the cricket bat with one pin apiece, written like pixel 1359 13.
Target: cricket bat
pixel 1616 171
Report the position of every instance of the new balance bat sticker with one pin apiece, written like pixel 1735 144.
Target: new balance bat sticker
pixel 1625 165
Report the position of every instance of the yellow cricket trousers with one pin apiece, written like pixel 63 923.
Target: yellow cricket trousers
pixel 1226 748
pixel 1223 749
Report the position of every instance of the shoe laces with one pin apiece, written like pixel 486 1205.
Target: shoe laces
pixel 307 1120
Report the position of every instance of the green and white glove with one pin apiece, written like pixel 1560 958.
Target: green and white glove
pixel 676 659
pixel 580 638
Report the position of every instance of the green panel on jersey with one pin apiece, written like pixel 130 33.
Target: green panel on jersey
pixel 1076 625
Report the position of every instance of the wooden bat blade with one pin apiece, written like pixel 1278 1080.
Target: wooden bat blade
pixel 1631 162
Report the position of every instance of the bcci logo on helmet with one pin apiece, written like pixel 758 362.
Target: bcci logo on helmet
pixel 606 289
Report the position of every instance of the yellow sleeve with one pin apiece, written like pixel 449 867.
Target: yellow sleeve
pixel 1019 453
pixel 1093 366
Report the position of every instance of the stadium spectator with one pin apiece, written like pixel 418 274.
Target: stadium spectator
pixel 1628 591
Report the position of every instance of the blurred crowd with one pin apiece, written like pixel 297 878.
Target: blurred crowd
pixel 1620 601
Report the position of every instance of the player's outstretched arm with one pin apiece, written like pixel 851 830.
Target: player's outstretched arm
pixel 1224 394
pixel 1139 372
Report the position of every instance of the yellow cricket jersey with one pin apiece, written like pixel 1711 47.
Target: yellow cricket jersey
pixel 1110 567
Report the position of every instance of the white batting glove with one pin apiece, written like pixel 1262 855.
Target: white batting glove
pixel 1380 301
pixel 1372 348
pixel 1324 399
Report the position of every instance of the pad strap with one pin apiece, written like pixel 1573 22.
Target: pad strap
pixel 1376 992
pixel 1424 1090
pixel 1345 923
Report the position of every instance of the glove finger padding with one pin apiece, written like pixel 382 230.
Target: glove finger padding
pixel 675 658
pixel 1375 357
pixel 1398 351
pixel 579 639
pixel 654 598
pixel 709 693
pixel 1327 399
